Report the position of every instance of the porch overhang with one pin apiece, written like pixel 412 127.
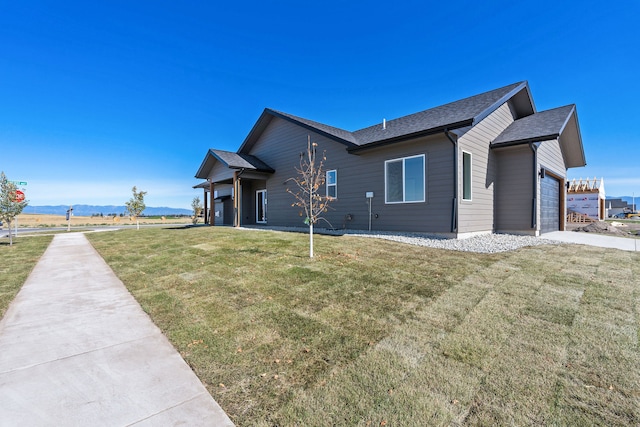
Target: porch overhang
pixel 232 162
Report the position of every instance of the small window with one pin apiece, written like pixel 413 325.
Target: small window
pixel 332 184
pixel 466 176
pixel 404 180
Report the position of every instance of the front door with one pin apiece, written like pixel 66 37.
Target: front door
pixel 261 206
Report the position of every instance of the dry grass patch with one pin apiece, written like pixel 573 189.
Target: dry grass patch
pixel 48 220
pixel 374 332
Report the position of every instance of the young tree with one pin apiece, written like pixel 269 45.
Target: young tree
pixel 309 180
pixel 197 209
pixel 9 206
pixel 136 205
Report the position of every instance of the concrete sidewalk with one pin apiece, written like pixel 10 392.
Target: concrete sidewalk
pixel 76 349
pixel 594 239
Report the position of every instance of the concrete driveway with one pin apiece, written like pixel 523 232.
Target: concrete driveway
pixel 594 239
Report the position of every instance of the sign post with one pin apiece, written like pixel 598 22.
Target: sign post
pixel 19 197
pixel 69 211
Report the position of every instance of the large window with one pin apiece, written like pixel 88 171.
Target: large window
pixel 332 184
pixel 404 180
pixel 466 176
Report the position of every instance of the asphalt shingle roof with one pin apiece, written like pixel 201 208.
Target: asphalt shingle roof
pixel 463 111
pixel 241 161
pixel 536 127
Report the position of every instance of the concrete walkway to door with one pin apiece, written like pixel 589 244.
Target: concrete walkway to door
pixel 76 349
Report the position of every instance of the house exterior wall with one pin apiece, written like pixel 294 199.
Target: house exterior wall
pixel 550 158
pixel 514 190
pixel 219 172
pixel 281 143
pixel 477 215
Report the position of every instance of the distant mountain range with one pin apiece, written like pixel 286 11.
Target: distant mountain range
pixel 88 210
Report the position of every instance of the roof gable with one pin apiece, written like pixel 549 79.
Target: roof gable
pixel 540 126
pixel 232 161
pixel 558 123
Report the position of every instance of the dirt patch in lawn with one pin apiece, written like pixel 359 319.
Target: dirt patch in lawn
pixel 613 228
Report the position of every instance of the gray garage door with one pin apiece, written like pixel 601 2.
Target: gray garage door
pixel 549 204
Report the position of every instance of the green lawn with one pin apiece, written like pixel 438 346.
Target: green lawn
pixel 373 332
pixel 16 262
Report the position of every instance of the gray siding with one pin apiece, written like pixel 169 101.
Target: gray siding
pixel 282 142
pixel 514 190
pixel 220 172
pixel 550 157
pixel 477 215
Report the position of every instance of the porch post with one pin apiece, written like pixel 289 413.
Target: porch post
pixel 205 206
pixel 212 215
pixel 236 199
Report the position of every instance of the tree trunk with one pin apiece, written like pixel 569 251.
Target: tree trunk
pixel 10 235
pixel 311 240
pixel 137 224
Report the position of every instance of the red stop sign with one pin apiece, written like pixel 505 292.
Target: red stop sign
pixel 19 196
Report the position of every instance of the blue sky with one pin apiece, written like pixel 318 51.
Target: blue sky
pixel 96 97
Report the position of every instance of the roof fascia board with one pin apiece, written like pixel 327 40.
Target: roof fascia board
pixel 484 114
pixel 549 137
pixel 218 158
pixel 311 128
pixel 200 172
pixel 265 119
pixel 258 128
pixel 434 131
pixel 574 115
pixel 566 121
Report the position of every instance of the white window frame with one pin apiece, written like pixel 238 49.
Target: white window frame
pixel 334 185
pixel 470 198
pixel 424 179
pixel 264 206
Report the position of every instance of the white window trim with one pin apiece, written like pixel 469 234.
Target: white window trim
pixel 470 176
pixel 327 185
pixel 258 219
pixel 424 179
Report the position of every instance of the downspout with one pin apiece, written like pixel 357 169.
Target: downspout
pixel 534 201
pixel 454 202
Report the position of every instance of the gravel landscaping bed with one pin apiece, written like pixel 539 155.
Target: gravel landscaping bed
pixel 486 243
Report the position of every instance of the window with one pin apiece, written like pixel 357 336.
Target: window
pixel 404 179
pixel 466 176
pixel 332 184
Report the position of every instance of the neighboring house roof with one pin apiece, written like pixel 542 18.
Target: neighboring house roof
pixel 559 123
pixel 459 114
pixel 617 203
pixel 233 161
